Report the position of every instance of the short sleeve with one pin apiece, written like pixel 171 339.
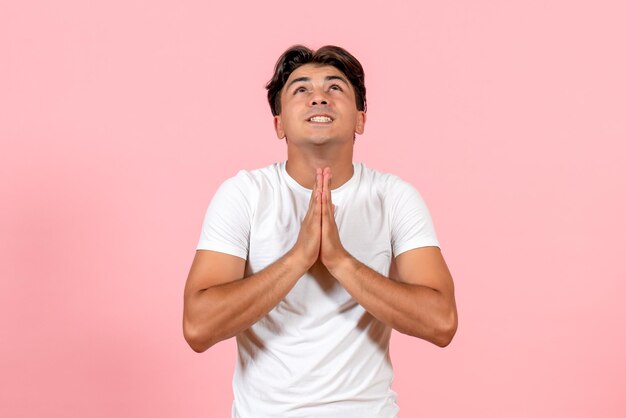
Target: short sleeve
pixel 411 223
pixel 226 225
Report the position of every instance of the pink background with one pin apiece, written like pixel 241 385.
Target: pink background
pixel 119 119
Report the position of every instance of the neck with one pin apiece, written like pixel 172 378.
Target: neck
pixel 302 166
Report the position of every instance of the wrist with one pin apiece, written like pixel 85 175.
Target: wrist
pixel 341 265
pixel 296 261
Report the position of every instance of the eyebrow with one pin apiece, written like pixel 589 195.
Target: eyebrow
pixel 307 79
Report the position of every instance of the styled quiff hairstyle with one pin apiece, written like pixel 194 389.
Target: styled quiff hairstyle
pixel 299 55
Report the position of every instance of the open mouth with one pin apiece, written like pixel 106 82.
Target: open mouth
pixel 320 119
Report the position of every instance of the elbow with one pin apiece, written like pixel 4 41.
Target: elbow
pixel 198 341
pixel 197 346
pixel 446 330
pixel 443 339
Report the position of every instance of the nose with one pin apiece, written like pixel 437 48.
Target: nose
pixel 315 102
pixel 318 98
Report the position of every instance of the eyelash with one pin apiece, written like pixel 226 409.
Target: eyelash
pixel 300 89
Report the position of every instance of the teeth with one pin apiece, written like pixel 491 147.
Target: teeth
pixel 320 119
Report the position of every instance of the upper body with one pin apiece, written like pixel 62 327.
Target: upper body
pixel 337 253
pixel 317 345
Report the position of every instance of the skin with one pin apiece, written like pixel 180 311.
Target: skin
pixel 220 302
pixel 314 145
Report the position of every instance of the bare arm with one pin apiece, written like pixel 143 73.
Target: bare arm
pixel 421 303
pixel 220 302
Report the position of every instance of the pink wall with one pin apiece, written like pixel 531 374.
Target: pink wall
pixel 119 119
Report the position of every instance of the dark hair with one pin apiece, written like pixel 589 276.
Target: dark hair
pixel 299 55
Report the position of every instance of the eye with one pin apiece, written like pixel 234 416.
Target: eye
pixel 336 87
pixel 299 90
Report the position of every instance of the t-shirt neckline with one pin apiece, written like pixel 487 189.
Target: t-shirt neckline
pixel 356 171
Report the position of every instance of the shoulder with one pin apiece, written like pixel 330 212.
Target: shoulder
pixel 388 185
pixel 250 182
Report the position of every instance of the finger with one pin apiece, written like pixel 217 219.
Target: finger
pixel 327 208
pixel 316 188
pixel 317 210
pixel 326 181
pixel 319 179
pixel 324 207
pixel 318 191
pixel 330 194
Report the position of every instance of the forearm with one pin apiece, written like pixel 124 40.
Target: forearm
pixel 220 312
pixel 415 310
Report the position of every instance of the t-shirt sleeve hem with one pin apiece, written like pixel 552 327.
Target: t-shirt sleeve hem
pixel 415 244
pixel 222 248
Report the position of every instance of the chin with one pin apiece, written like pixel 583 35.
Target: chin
pixel 315 140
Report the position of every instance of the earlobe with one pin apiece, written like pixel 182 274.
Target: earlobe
pixel 278 127
pixel 360 123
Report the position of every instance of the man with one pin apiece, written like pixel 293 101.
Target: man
pixel 294 259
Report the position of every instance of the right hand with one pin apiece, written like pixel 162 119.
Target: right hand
pixel 307 246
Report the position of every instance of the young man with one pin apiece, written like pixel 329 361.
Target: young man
pixel 294 259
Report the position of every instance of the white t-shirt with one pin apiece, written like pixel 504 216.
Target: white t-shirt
pixel 318 353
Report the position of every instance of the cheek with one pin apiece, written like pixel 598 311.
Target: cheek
pixel 291 114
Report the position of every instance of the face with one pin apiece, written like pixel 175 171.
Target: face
pixel 318 106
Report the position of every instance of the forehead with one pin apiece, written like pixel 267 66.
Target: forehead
pixel 315 72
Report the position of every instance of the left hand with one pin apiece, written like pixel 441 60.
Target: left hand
pixel 332 252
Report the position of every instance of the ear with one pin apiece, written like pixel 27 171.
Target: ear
pixel 360 122
pixel 278 127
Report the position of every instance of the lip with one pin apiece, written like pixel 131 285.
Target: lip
pixel 308 119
